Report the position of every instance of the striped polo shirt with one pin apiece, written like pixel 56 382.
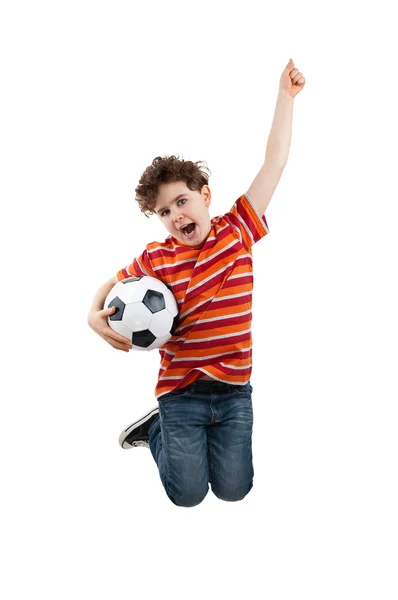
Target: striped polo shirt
pixel 212 284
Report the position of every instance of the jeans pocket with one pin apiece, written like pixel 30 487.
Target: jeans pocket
pixel 174 394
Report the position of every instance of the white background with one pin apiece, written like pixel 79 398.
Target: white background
pixel 91 93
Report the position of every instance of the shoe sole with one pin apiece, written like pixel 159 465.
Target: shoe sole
pixel 135 425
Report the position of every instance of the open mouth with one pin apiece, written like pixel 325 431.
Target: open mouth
pixel 189 230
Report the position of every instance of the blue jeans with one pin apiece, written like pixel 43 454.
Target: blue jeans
pixel 204 435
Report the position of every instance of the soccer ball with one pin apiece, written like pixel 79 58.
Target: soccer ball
pixel 146 311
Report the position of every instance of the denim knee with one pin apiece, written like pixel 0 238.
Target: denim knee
pixel 188 499
pixel 232 495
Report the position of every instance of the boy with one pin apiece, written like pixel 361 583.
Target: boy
pixel 201 430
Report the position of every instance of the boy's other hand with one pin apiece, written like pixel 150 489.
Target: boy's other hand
pixel 98 320
pixel 292 80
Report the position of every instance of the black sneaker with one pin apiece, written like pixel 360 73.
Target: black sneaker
pixel 136 434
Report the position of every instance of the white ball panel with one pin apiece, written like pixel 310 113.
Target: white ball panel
pixel 130 292
pixel 138 316
pixel 161 323
pixel 171 303
pixel 151 283
pixel 120 327
pixel 139 348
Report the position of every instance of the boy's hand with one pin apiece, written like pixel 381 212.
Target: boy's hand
pixel 99 322
pixel 292 81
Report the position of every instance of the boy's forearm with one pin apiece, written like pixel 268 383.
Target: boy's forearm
pixel 279 139
pixel 101 294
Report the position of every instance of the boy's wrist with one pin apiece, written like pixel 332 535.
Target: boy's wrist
pixel 285 96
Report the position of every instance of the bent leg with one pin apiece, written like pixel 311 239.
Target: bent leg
pixel 178 443
pixel 230 449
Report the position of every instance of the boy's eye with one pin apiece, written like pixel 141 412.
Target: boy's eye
pixel 167 210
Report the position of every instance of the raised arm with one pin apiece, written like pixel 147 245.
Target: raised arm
pixel 278 145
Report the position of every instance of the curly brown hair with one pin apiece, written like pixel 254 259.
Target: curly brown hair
pixel 164 169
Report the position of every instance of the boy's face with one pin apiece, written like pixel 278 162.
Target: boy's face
pixel 177 205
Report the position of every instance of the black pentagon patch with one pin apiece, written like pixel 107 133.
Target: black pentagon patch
pixel 120 306
pixel 132 279
pixel 143 339
pixel 154 301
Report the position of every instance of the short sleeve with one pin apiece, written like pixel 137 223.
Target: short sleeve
pixel 140 266
pixel 246 221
